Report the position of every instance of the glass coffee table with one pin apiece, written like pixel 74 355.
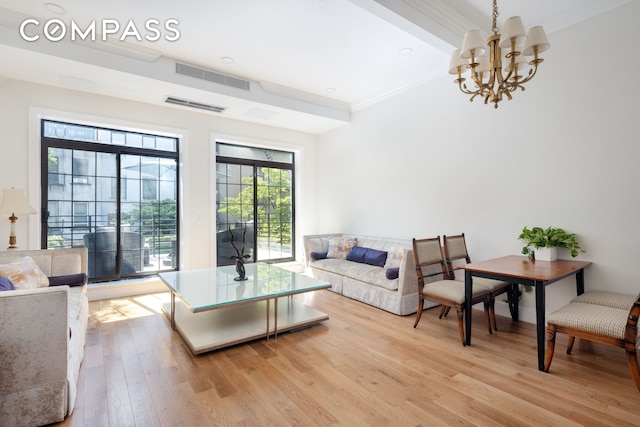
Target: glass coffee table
pixel 217 311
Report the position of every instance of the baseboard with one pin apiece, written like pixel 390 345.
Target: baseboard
pixel 525 314
pixel 125 288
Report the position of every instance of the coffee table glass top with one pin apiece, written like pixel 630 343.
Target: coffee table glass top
pixel 210 288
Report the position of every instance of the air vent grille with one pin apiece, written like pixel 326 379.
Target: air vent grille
pixel 193 104
pixel 212 76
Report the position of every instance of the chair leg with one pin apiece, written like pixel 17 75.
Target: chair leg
pixel 444 310
pixel 570 344
pixel 461 326
pixel 487 314
pixel 551 346
pixel 492 312
pixel 632 359
pixel 419 313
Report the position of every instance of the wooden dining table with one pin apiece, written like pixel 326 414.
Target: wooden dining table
pixel 521 270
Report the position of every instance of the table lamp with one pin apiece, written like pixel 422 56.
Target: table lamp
pixel 13 201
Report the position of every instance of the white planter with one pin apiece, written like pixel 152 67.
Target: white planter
pixel 547 254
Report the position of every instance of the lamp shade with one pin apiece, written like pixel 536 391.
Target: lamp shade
pixel 14 202
pixel 536 37
pixel 472 41
pixel 521 61
pixel 458 61
pixel 483 64
pixel 513 27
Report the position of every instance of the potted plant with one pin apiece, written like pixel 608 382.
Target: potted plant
pixel 552 237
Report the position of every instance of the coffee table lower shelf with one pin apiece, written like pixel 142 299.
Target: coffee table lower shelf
pixel 211 330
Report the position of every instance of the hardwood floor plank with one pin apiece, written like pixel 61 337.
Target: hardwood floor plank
pixel 362 367
pixel 119 403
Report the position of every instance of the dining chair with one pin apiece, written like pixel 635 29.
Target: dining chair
pixel 449 293
pixel 455 249
pixel 609 324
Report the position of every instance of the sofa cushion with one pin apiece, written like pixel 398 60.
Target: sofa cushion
pixel 375 257
pixel 371 275
pixel 357 254
pixel 366 273
pixel 6 284
pixel 339 247
pixel 24 274
pixel 392 273
pixel 395 254
pixel 315 256
pixel 79 279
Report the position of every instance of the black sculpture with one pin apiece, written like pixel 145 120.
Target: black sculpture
pixel 239 257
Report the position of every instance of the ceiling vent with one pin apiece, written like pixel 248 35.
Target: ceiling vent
pixel 193 104
pixel 211 76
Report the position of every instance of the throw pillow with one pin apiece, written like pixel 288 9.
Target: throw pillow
pixel 6 284
pixel 393 273
pixel 357 254
pixel 318 255
pixel 79 279
pixel 24 274
pixel 394 258
pixel 375 257
pixel 339 247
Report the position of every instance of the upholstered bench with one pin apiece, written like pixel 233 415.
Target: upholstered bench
pixel 589 318
pixel 607 299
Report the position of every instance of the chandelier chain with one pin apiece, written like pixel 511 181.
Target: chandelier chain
pixel 495 17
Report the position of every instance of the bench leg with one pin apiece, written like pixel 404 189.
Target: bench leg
pixel 551 346
pixel 632 358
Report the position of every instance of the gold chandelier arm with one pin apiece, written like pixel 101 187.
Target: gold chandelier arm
pixel 463 87
pixel 532 73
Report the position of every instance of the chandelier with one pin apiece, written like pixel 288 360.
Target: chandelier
pixel 492 81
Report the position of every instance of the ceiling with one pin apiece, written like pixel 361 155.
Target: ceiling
pixel 307 64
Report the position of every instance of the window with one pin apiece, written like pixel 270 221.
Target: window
pixel 254 204
pixel 148 189
pixel 80 214
pixel 80 171
pixel 121 201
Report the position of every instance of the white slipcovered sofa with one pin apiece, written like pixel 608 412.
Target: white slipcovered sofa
pixel 42 338
pixel 370 282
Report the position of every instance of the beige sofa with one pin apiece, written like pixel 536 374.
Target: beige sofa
pixel 42 337
pixel 364 282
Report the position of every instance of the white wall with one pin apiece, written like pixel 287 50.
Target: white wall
pixel 23 104
pixel 564 153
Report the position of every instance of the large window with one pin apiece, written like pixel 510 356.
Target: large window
pixel 254 204
pixel 113 191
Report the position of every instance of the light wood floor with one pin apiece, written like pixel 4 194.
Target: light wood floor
pixel 363 367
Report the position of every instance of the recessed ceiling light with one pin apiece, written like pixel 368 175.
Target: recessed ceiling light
pixel 405 51
pixel 226 60
pixel 55 8
pixel 331 89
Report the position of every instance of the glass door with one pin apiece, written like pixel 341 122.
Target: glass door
pixel 254 213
